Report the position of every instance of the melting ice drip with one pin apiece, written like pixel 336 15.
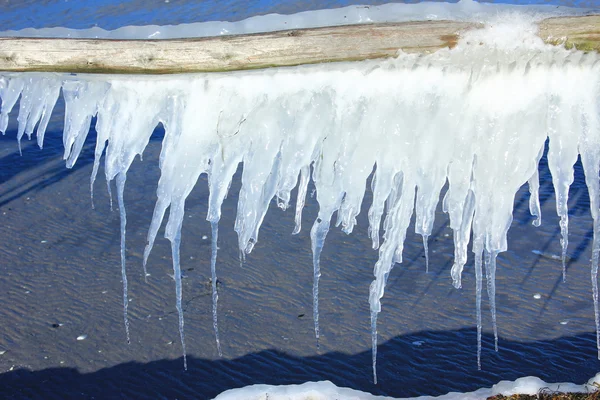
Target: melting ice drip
pixel 475 117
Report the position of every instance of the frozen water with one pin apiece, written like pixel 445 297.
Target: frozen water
pixel 213 270
pixel 474 118
pixel 328 391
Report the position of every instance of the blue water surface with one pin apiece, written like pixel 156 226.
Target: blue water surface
pixel 112 14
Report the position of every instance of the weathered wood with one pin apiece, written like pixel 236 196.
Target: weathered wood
pixel 243 52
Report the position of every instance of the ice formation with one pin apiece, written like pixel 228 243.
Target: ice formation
pixel 474 118
pixel 326 390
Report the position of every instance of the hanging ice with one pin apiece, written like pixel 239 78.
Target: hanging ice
pixel 475 118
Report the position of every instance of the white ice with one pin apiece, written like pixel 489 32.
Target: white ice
pixel 326 390
pixel 475 118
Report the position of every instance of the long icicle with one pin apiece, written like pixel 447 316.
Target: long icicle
pixel 213 270
pixel 121 178
pixel 564 242
pixel 317 236
pixel 534 192
pixel 426 250
pixel 591 166
pixel 374 344
pixel 478 250
pixel 594 276
pixel 178 290
pixel 301 198
pixel 490 274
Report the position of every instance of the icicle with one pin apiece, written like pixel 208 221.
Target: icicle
pixel 213 270
pixel 305 113
pixel 51 92
pixel 100 145
pixel 175 243
pixel 224 163
pixel 594 276
pixel 426 251
pixel 432 165
pixel 121 178
pixel 562 155
pixel 38 97
pixel 173 233
pixel 25 106
pixel 381 187
pixel 397 220
pixel 10 92
pixel 490 274
pixel 461 239
pixel 374 344
pixel 459 201
pixel 172 131
pixel 159 212
pixel 591 165
pixel 589 144
pixel 25 109
pixel 534 193
pixel 259 184
pixel 564 242
pixel 269 190
pixel 110 196
pixel 478 250
pixel 81 103
pixel 317 237
pixel 104 125
pixel 301 198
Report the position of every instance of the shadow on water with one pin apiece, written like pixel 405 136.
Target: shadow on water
pixel 403 365
pixel 18 169
pixel 578 205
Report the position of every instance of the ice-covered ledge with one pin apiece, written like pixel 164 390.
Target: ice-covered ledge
pixel 474 115
pixel 263 50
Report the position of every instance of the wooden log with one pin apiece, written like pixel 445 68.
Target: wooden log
pixel 263 50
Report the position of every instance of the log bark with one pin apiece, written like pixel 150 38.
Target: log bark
pixel 254 51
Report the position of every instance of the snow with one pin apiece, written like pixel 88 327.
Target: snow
pixel 475 118
pixel 326 390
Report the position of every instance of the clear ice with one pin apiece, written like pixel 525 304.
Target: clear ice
pixel 474 118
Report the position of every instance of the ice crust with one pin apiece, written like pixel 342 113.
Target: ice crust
pixel 474 118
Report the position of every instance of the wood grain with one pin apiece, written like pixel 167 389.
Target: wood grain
pixel 254 51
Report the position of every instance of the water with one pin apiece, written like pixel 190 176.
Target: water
pixel 60 278
pixel 112 14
